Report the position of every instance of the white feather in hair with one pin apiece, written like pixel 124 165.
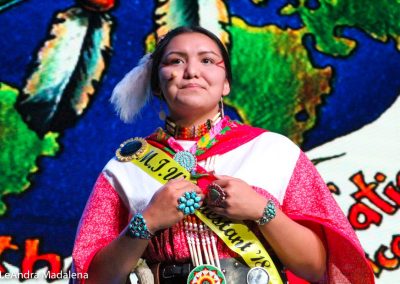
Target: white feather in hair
pixel 133 91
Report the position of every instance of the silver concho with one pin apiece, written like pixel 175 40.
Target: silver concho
pixel 257 275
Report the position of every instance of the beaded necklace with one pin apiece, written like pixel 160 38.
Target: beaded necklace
pixel 191 132
pixel 200 150
pixel 188 159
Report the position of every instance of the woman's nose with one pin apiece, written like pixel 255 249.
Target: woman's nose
pixel 191 70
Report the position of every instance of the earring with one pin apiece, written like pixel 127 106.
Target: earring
pixel 221 107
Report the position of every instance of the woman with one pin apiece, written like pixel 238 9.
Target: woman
pixel 140 208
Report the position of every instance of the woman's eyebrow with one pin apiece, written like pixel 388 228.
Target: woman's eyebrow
pixel 181 53
pixel 210 51
pixel 184 54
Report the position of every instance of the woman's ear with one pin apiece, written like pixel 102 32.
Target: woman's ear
pixel 227 88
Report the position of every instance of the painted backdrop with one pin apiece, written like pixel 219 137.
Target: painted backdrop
pixel 324 73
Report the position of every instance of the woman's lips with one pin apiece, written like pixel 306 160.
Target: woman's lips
pixel 191 85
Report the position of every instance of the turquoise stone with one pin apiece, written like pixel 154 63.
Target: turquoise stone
pixel 189 202
pixel 187 211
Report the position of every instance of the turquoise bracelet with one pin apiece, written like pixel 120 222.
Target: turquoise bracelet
pixel 268 214
pixel 137 228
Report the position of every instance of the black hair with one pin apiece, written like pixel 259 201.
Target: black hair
pixel 161 46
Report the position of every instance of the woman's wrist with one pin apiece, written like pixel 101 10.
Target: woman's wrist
pixel 151 226
pixel 269 213
pixel 138 229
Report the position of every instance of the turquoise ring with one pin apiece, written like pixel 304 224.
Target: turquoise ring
pixel 188 202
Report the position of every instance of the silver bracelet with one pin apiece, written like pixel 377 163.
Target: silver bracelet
pixel 137 228
pixel 268 214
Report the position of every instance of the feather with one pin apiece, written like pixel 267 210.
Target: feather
pixel 133 91
pixel 92 61
pixel 4 4
pixel 214 16
pixel 210 14
pixel 70 64
pixel 131 94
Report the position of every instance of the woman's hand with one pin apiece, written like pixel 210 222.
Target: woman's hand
pixel 242 202
pixel 162 210
pixel 286 237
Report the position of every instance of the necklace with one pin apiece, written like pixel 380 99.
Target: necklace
pixel 191 132
pixel 201 148
pixel 187 159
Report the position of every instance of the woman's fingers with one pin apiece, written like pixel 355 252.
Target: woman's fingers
pixel 219 210
pixel 228 183
pixel 223 177
pixel 182 186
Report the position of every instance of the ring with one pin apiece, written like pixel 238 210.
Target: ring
pixel 216 195
pixel 188 202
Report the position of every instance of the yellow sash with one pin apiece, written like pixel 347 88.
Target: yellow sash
pixel 236 235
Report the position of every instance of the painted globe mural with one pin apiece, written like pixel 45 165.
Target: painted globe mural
pixel 324 73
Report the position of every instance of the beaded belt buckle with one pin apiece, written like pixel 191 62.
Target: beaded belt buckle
pixel 209 274
pixel 206 274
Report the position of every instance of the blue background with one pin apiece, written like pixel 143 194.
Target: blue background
pixel 365 84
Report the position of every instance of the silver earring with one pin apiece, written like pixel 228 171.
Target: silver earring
pixel 221 107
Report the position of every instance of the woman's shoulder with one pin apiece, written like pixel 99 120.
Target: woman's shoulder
pixel 119 165
pixel 114 165
pixel 269 140
pixel 265 135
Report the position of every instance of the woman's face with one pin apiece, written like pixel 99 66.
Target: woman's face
pixel 192 76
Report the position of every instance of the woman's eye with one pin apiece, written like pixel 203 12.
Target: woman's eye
pixel 175 61
pixel 207 61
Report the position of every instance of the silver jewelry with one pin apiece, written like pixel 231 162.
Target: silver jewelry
pixel 257 275
pixel 268 214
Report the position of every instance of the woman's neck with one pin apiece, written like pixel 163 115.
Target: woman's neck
pixel 189 131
